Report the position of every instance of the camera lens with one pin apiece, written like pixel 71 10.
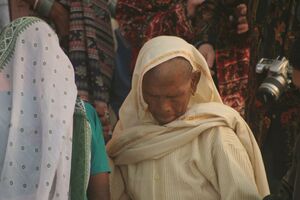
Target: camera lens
pixel 271 89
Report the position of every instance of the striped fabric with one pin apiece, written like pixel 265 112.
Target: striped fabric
pixel 213 166
pixel 91 47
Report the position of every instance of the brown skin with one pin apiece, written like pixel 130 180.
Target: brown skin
pixel 103 113
pixel 59 15
pixel 168 87
pixel 296 77
pixel 98 188
pixel 191 6
pixel 242 25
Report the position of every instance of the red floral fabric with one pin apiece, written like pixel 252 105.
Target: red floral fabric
pixel 232 67
pixel 142 20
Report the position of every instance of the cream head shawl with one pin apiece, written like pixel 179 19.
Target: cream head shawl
pixel 138 137
pixel 37 95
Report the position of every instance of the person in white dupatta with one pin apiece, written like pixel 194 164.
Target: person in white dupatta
pixel 37 100
pixel 176 139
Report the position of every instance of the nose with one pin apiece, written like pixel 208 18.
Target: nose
pixel 164 106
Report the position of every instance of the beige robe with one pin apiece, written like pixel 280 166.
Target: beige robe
pixel 208 153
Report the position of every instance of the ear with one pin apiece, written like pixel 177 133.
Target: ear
pixel 195 80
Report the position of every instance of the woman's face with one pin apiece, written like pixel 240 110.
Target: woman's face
pixel 167 89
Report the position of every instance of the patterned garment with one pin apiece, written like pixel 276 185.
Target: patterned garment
pixel 143 20
pixel 37 95
pixel 232 53
pixel 232 56
pixel 91 47
pixel 232 66
pixel 275 26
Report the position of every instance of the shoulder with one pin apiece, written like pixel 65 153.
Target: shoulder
pixel 221 137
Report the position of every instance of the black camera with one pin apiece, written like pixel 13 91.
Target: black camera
pixel 277 81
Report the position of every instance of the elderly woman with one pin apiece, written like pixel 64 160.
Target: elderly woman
pixel 176 139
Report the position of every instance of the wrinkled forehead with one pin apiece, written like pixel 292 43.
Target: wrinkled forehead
pixel 175 68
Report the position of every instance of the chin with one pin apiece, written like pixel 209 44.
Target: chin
pixel 163 121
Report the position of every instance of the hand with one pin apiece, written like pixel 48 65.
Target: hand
pixel 192 5
pixel 208 52
pixel 102 110
pixel 242 22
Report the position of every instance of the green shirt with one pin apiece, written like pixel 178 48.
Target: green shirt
pixel 99 160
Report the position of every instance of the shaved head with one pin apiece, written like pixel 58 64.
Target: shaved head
pixel 167 89
pixel 171 69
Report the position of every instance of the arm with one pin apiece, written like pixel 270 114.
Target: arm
pixel 60 17
pixel 58 14
pixel 117 183
pixel 98 188
pixel 103 112
pixel 234 172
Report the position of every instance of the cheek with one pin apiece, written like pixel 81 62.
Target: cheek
pixel 153 105
pixel 180 106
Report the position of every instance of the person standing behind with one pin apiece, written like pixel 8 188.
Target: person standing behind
pixel 98 186
pixel 291 181
pixel 85 32
pixel 275 25
pixel 293 176
pixel 142 20
pixel 290 184
pixel 232 49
